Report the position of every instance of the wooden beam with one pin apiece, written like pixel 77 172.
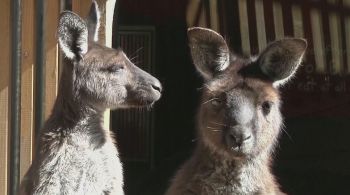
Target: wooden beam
pixel 297 21
pixel 4 89
pixel 278 20
pixel 244 27
pixel 27 85
pixel 51 51
pixel 318 40
pixel 260 24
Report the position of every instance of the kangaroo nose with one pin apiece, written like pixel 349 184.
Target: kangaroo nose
pixel 235 140
pixel 157 86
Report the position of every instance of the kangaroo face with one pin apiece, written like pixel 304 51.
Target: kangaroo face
pixel 239 113
pixel 102 77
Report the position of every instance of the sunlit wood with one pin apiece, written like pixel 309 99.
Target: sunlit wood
pixel 260 24
pixel 318 40
pixel 244 27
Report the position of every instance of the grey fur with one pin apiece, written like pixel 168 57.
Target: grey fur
pixel 239 118
pixel 74 153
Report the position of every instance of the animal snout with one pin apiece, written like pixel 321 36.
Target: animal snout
pixel 157 86
pixel 236 139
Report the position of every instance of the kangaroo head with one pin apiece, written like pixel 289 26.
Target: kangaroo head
pixel 239 114
pixel 102 76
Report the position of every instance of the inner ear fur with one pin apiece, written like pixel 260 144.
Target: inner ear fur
pixel 72 35
pixel 280 60
pixel 210 53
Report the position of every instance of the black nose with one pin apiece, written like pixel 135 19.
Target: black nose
pixel 235 140
pixel 157 87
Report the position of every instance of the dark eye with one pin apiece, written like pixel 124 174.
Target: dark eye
pixel 216 101
pixel 115 68
pixel 266 107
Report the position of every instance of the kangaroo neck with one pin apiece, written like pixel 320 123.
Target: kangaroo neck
pixel 233 167
pixel 70 111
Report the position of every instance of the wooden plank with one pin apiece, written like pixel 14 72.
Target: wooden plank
pixel 253 35
pixel 347 35
pixel 51 50
pixel 336 43
pixel 4 90
pixel 27 85
pixel 318 40
pixel 278 19
pixel 297 21
pixel 214 19
pixel 244 27
pixel 191 13
pixel 260 24
pixel 270 24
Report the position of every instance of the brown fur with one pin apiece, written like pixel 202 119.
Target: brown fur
pixel 239 117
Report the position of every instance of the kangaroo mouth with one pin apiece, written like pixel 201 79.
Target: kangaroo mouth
pixel 143 97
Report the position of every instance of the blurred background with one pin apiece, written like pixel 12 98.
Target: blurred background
pixel 313 156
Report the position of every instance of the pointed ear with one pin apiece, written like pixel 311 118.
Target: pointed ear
pixel 72 35
pixel 93 22
pixel 280 60
pixel 209 51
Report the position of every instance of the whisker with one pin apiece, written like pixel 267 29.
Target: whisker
pixel 213 129
pixel 290 137
pixel 137 50
pixel 218 123
pixel 133 58
pixel 209 100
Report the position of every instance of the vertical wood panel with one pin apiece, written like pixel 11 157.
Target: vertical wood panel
pixel 214 16
pixel 253 36
pixel 347 35
pixel 51 49
pixel 318 40
pixel 297 21
pixel 260 24
pixel 244 27
pixel 278 19
pixel 336 43
pixel 269 20
pixel 27 84
pixel 4 89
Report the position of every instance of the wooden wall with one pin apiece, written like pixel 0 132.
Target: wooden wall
pixel 28 91
pixel 4 90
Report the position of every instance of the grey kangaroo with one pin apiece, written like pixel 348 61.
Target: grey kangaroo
pixel 75 154
pixel 239 117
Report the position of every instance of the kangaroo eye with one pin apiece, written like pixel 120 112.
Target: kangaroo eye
pixel 216 102
pixel 266 107
pixel 115 68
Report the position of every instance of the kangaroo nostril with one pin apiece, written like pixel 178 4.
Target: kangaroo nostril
pixel 157 88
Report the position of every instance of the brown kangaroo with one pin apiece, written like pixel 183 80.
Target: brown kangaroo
pixel 239 117
pixel 75 154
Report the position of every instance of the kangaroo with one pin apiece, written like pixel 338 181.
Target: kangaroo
pixel 75 154
pixel 239 117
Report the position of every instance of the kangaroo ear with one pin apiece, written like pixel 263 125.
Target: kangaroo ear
pixel 93 22
pixel 209 51
pixel 280 60
pixel 72 35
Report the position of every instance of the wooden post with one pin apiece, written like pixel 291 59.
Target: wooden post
pixel 51 50
pixel 27 84
pixel 4 89
pixel 106 8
